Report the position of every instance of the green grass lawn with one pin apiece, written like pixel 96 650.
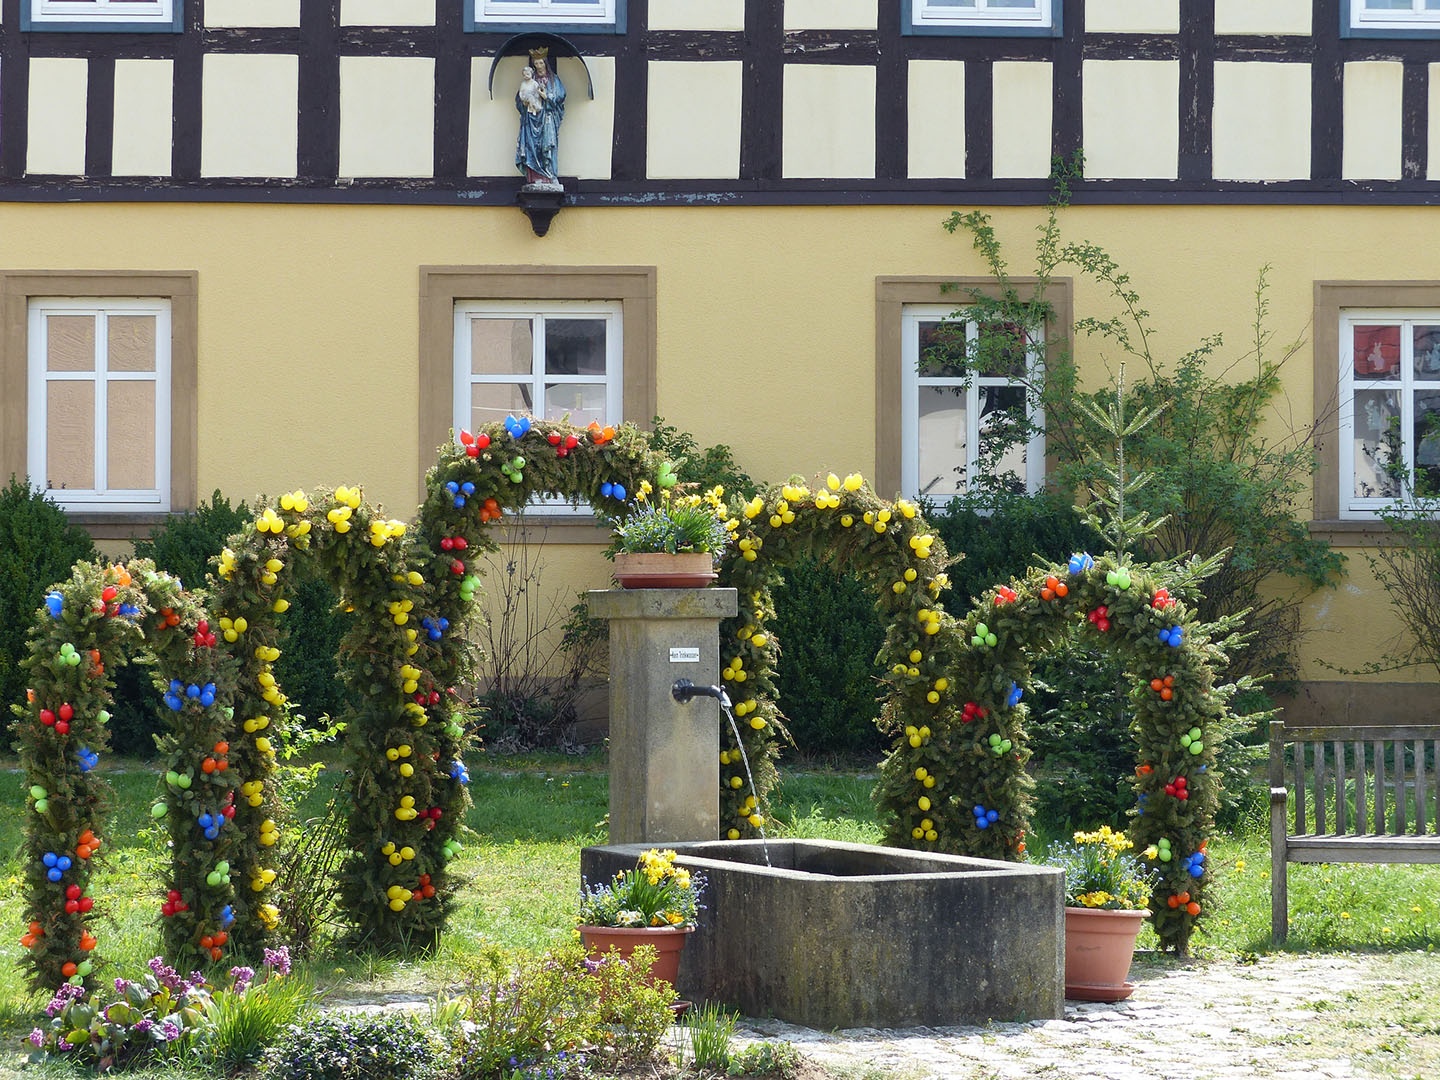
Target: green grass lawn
pixel 521 871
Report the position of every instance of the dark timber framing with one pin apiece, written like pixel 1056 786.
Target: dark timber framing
pixel 764 49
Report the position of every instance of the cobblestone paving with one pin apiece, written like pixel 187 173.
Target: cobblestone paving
pixel 1280 1017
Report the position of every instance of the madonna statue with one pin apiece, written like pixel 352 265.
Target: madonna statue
pixel 541 104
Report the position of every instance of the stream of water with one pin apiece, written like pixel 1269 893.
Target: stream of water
pixel 683 691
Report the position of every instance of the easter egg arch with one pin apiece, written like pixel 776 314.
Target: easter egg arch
pixel 99 618
pixel 409 590
pixel 954 779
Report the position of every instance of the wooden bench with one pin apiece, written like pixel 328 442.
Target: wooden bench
pixel 1361 794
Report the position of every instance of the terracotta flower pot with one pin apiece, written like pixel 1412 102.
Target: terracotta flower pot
pixel 1099 946
pixel 666 940
pixel 661 570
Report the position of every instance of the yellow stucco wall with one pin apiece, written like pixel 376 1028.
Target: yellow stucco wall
pixel 308 320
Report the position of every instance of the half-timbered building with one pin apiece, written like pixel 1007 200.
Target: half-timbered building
pixel 252 244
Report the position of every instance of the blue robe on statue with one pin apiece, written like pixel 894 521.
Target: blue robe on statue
pixel 537 149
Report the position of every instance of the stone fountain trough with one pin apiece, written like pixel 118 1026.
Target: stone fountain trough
pixel 837 935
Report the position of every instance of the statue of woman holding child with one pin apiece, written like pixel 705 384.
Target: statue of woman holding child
pixel 541 104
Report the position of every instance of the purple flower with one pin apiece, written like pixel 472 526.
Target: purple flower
pixel 169 1030
pixel 37 1038
pixel 143 1026
pixel 166 975
pixel 279 959
pixel 63 996
pixel 121 985
pixel 62 1045
pixel 242 977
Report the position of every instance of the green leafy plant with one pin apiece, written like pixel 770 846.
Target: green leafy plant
pixel 162 1014
pixel 38 545
pixel 532 1012
pixel 1221 484
pixel 765 1059
pixel 655 893
pixel 708 1031
pixel 1099 872
pixel 674 523
pixel 238 1027
pixel 826 618
pixel 699 468
pixel 340 1046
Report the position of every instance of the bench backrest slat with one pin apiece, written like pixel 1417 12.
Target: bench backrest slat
pixel 1298 788
pixel 1360 817
pixel 1337 749
pixel 1420 792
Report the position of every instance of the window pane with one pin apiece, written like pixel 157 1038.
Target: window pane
pixel 1002 350
pixel 1427 444
pixel 1388 5
pixel 1014 5
pixel 942 441
pixel 70 435
pixel 574 346
pixel 502 347
pixel 1377 443
pixel 942 349
pixel 1002 423
pixel 130 431
pixel 492 402
pixel 1377 352
pixel 131 339
pixel 579 402
pixel 70 343
pixel 1426 343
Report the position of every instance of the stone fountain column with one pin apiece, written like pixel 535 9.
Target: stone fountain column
pixel 664 764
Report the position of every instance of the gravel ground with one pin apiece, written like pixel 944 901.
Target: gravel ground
pixel 1282 1016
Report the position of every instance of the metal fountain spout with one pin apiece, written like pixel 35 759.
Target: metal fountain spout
pixel 684 691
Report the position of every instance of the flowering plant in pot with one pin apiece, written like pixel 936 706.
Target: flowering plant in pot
pixel 677 539
pixel 1107 897
pixel 657 903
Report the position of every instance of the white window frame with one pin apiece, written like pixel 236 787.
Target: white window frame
pixel 541 310
pixel 125 14
pixel 101 497
pixel 926 13
pixel 545 12
pixel 912 381
pixel 1417 18
pixel 1354 506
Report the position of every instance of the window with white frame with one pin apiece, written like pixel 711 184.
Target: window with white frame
pixel 554 360
pixel 604 15
pixel 1391 17
pixel 117 15
pixel 980 16
pixel 960 417
pixel 1389 408
pixel 99 403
